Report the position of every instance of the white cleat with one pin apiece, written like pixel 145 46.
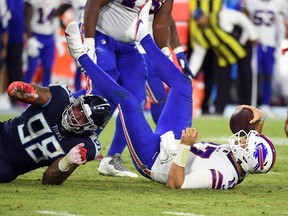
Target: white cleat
pixel 112 166
pixel 139 29
pixel 74 41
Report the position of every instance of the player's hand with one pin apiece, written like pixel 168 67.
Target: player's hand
pixel 183 62
pixel 77 155
pixel 33 46
pixel 258 114
pixel 89 46
pixel 22 91
pixel 189 136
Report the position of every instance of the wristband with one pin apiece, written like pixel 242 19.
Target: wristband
pixel 261 119
pixel 178 50
pixel 182 155
pixel 64 165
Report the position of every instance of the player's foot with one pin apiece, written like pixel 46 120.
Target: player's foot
pixel 139 29
pixel 74 41
pixel 113 166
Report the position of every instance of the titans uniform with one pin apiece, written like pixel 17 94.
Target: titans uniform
pixel 43 28
pixel 36 138
pixel 267 17
pixel 119 56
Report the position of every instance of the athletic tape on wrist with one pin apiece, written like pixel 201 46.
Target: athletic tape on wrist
pixel 182 155
pixel 63 165
pixel 178 50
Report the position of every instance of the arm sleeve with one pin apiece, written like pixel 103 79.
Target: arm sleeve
pixel 197 58
pixel 198 180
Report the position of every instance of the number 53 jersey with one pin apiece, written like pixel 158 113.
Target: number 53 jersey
pixel 36 137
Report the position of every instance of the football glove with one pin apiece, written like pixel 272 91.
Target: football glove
pixel 22 91
pixel 183 62
pixel 33 46
pixel 77 155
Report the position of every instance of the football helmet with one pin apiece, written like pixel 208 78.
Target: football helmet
pixel 255 152
pixel 86 114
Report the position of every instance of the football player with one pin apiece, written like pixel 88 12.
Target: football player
pixel 105 24
pixel 268 17
pixel 56 130
pixel 40 28
pixel 172 155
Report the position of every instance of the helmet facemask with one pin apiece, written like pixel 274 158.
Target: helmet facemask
pixel 253 151
pixel 78 116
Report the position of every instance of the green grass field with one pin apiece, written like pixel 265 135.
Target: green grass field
pixel 87 193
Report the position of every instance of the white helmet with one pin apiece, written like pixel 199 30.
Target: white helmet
pixel 255 152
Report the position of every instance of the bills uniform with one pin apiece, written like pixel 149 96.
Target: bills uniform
pixel 209 165
pixel 36 137
pixel 119 56
pixel 267 16
pixel 43 28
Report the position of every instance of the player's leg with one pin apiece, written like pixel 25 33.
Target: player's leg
pixel 155 91
pixel 177 113
pixel 31 68
pixel 142 142
pixel 47 55
pixel 133 75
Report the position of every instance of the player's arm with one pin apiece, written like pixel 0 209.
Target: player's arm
pixel 91 14
pixel 178 49
pixel 29 93
pixel 258 117
pixel 161 24
pixel 63 167
pixel 177 170
pixel 54 176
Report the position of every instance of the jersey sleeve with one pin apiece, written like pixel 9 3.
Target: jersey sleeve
pixel 207 179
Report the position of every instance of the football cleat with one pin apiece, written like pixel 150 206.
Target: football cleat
pixel 74 41
pixel 113 166
pixel 139 29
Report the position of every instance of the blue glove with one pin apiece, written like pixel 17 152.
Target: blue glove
pixel 183 62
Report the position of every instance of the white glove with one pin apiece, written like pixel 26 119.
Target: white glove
pixel 33 46
pixel 77 155
pixel 89 46
pixel 167 52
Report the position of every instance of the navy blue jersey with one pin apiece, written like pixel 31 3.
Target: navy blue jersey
pixel 36 138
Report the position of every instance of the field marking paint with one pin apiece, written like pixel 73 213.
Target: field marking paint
pixel 56 213
pixel 181 213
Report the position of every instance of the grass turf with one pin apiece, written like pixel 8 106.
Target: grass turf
pixel 87 193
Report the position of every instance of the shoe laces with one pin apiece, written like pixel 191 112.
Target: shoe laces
pixel 117 162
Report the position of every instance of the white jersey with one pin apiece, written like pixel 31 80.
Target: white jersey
pixel 42 21
pixel 117 16
pixel 267 17
pixel 208 166
pixel 78 7
pixel 5 14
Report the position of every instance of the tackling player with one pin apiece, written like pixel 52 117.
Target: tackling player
pixel 57 130
pixel 182 162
